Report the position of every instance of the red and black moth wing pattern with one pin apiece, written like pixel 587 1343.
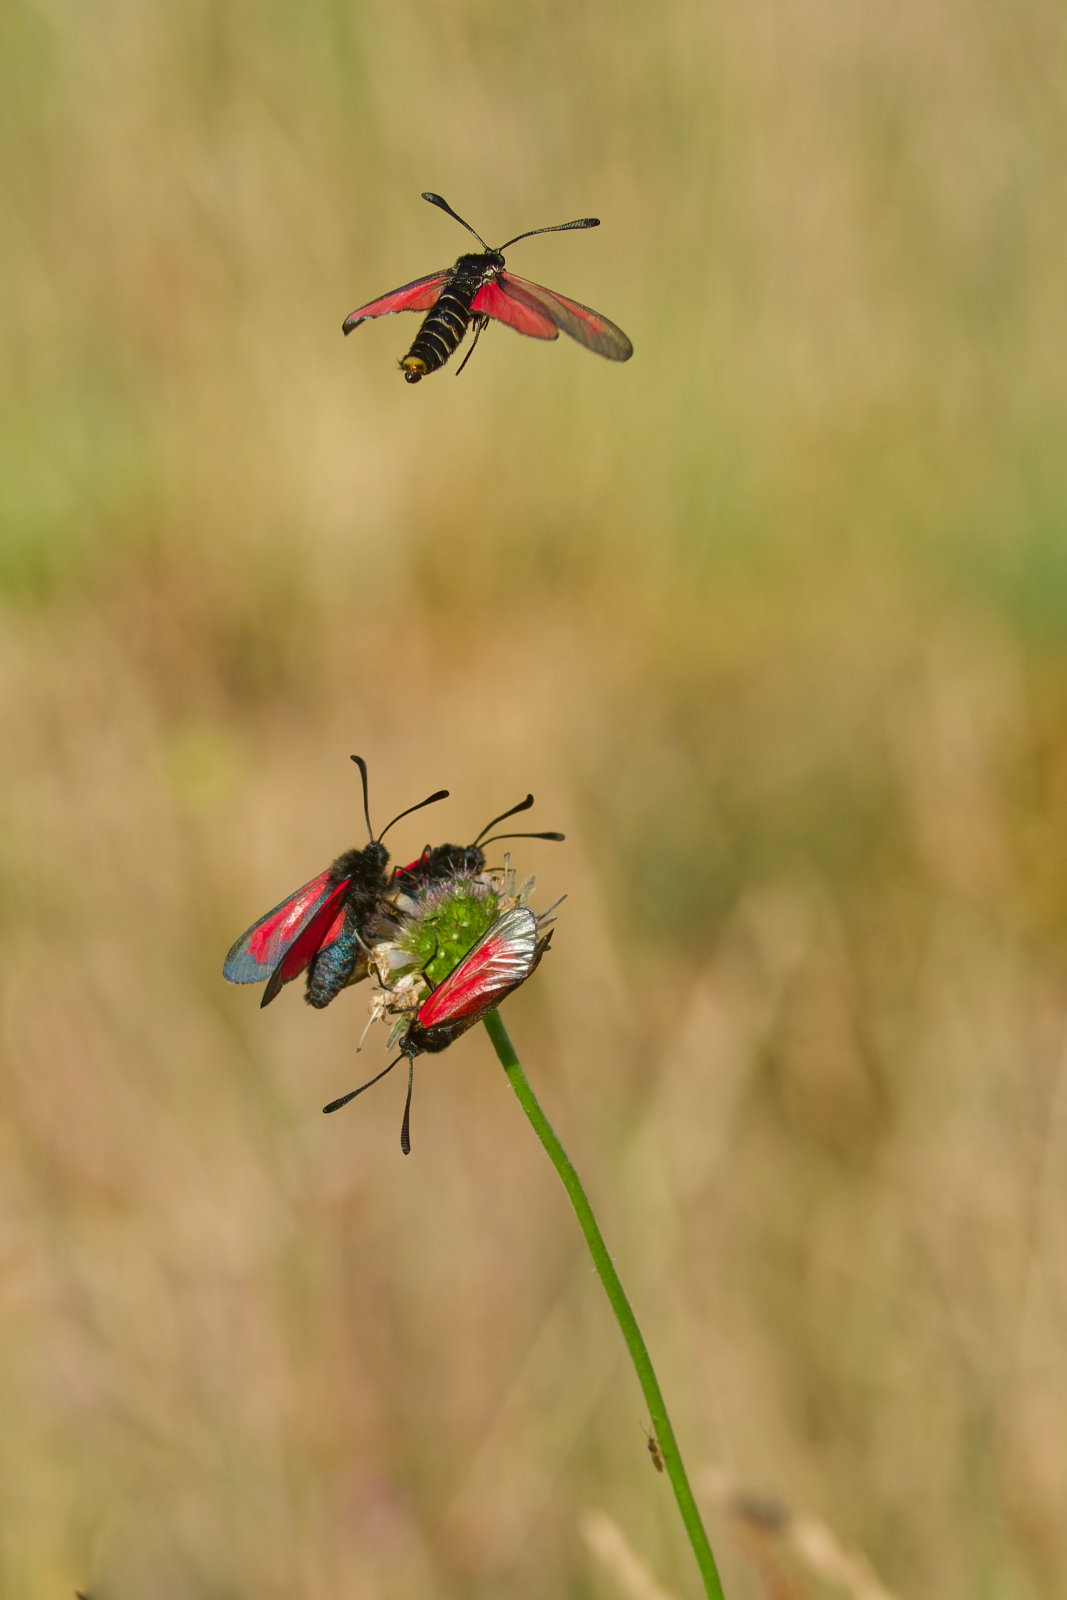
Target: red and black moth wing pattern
pixel 541 313
pixel 417 296
pixel 322 930
pixel 295 930
pixel 503 958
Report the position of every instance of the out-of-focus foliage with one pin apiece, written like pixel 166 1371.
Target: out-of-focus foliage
pixel 771 619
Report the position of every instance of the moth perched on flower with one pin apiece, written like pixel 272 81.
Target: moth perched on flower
pixel 324 928
pixel 321 929
pixel 466 943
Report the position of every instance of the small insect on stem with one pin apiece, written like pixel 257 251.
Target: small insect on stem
pixel 654 1449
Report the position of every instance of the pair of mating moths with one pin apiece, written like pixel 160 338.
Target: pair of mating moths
pixel 327 928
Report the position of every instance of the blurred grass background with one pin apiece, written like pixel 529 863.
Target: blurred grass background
pixel 773 621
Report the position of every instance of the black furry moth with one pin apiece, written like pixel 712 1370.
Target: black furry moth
pixel 321 929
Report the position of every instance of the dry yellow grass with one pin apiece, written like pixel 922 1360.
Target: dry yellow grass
pixel 772 621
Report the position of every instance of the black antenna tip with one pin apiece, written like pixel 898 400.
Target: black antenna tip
pixel 362 765
pixel 434 199
pixel 442 794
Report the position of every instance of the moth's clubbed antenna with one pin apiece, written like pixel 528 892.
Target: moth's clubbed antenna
pixel 335 1105
pixel 443 205
pixel 523 805
pixel 442 794
pixel 560 227
pixel 362 765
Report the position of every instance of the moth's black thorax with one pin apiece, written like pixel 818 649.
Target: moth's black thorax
pixel 365 868
pixel 477 269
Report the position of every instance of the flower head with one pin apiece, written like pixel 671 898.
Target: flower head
pixel 464 943
pixel 441 927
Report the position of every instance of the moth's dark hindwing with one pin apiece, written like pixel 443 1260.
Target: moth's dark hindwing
pixel 445 324
pixel 336 966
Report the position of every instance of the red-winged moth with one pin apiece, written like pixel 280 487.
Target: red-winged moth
pixel 478 290
pixel 503 958
pixel 322 928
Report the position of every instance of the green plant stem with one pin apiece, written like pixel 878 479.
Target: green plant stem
pixel 661 1422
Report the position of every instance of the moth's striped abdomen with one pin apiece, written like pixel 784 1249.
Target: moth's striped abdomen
pixel 442 329
pixel 448 320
